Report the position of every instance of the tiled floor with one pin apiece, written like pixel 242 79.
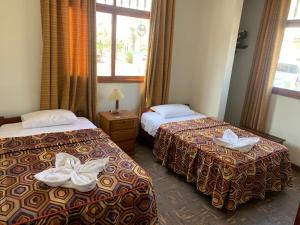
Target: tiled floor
pixel 180 203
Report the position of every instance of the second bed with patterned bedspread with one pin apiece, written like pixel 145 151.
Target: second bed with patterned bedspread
pixel 229 176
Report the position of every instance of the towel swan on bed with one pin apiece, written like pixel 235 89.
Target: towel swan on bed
pixel 231 140
pixel 70 173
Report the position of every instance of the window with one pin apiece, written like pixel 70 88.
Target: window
pixel 122 39
pixel 287 77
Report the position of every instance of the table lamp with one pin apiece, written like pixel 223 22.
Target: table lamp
pixel 116 95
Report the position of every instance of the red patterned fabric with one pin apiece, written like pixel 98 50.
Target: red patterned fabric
pixel 229 176
pixel 124 192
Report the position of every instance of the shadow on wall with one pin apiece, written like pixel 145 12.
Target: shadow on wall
pixel 243 60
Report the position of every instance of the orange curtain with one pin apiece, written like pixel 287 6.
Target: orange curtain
pixel 157 78
pixel 264 64
pixel 69 56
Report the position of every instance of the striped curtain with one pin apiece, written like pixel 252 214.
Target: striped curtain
pixel 157 78
pixel 69 56
pixel 264 64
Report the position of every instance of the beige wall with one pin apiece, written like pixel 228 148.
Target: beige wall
pixel 187 29
pixel 243 60
pixel 20 56
pixel 284 121
pixel 204 43
pixel 215 52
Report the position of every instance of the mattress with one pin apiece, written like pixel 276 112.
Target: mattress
pixel 151 121
pixel 16 129
pixel 123 194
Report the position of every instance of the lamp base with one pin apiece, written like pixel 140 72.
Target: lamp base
pixel 116 111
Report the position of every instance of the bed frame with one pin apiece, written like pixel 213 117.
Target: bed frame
pixel 143 135
pixel 8 120
pixel 17 119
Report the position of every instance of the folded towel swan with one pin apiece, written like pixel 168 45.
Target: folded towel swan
pixel 231 140
pixel 70 173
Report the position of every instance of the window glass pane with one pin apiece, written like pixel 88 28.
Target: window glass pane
pixel 288 69
pixel 123 3
pixel 148 5
pixel 104 32
pixel 144 5
pixel 294 10
pixel 106 2
pixel 131 46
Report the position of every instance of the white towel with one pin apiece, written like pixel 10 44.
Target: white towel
pixel 70 173
pixel 231 140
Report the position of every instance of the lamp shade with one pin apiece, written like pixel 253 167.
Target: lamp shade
pixel 116 94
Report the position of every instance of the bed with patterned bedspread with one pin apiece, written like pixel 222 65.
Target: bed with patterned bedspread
pixel 229 176
pixel 123 195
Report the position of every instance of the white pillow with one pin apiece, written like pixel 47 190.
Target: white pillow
pixel 48 118
pixel 172 110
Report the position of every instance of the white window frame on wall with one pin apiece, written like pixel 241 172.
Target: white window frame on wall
pixel 115 11
pixel 290 23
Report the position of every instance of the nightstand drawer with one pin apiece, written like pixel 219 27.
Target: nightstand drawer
pixel 123 135
pixel 121 128
pixel 122 124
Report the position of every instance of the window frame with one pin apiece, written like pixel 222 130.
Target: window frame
pixel 284 91
pixel 115 11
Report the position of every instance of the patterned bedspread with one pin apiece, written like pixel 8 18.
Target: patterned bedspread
pixel 124 192
pixel 229 176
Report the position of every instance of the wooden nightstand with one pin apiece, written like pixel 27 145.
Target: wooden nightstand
pixel 121 128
